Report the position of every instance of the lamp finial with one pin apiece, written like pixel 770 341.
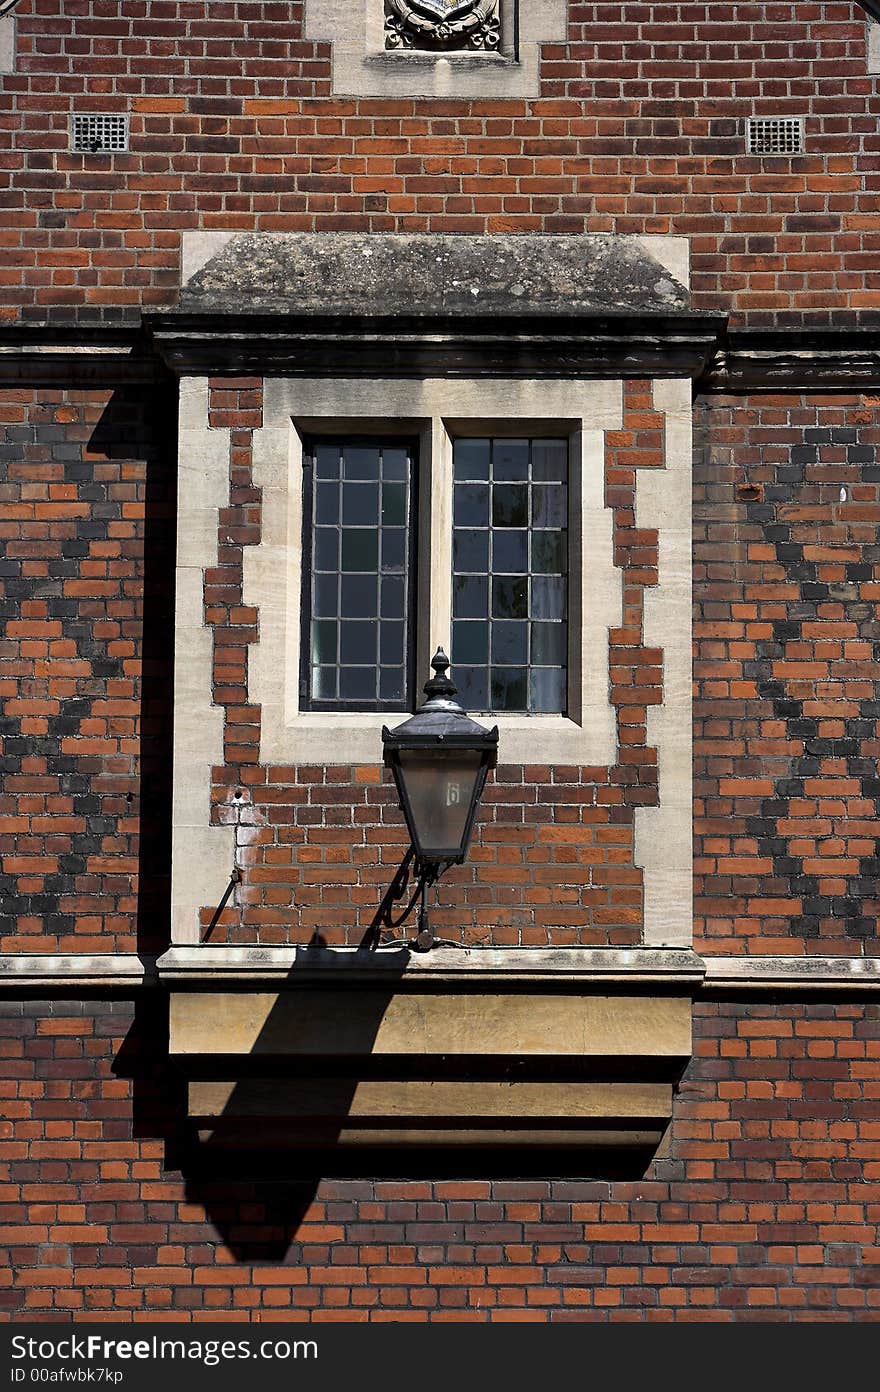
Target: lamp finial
pixel 440 685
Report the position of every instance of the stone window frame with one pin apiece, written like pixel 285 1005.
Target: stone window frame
pixel 202 852
pixel 363 66
pixel 436 410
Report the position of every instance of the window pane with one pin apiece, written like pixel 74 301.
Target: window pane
pixel 360 548
pixel 510 459
pixel 324 640
pixel 360 504
pixel 548 597
pixel 392 643
pixel 470 596
pixel 548 644
pixel 325 602
pixel 510 552
pixel 327 460
pixel 473 687
pixel 547 689
pixel 395 464
pixel 510 642
pixel 393 597
pixel 358 685
pixel 548 505
pixel 471 505
pixel 550 461
pixel 510 597
pixel 359 597
pixel 549 553
pixel 357 529
pixel 357 642
pixel 393 504
pixel 509 688
pixel 509 584
pixel 470 551
pixel 327 503
pixel 326 548
pixel 360 461
pixel 470 459
pixel 390 684
pixel 510 505
pixel 470 641
pixel 324 683
pixel 393 549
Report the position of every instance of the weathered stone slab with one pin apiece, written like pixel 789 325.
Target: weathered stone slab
pixel 423 276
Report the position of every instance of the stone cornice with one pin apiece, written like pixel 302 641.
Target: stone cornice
pixel 88 357
pixel 621 345
pixel 735 362
pixel 796 359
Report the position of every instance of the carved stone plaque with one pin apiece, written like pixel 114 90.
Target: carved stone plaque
pixel 447 25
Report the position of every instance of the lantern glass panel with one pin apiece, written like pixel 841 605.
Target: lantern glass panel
pixel 440 786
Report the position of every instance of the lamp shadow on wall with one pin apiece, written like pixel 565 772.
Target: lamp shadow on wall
pixel 252 1136
pixel 260 1135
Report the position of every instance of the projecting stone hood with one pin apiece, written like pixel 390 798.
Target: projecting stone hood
pixel 482 1049
pixel 348 273
pixel 299 301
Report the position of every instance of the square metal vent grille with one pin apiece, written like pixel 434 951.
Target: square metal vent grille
pixel 775 135
pixel 96 133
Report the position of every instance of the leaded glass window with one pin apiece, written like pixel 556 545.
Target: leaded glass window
pixel 510 574
pixel 358 621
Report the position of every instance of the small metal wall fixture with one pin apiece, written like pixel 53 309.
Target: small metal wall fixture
pixel 445 25
pixel 775 135
pixel 96 133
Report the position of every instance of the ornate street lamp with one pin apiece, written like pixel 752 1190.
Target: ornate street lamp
pixel 439 758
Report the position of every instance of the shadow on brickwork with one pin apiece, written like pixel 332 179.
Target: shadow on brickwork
pixel 253 1137
pixel 140 422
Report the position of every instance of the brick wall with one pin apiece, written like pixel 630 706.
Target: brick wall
pixel 786 718
pixel 639 129
pixel 766 1207
pixel 86 486
pixel 785 582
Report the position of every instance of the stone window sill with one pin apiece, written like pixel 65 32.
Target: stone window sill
pixel 349 966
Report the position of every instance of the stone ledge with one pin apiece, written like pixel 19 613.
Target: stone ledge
pixel 749 974
pixel 66 973
pixel 210 967
pixel 481 968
